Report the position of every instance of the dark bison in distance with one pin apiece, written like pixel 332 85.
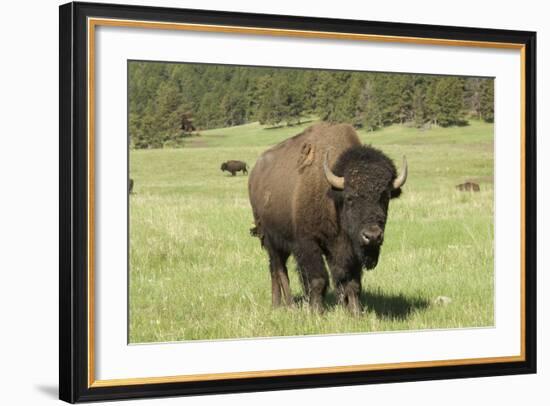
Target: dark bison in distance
pixel 322 194
pixel 235 166
pixel 468 187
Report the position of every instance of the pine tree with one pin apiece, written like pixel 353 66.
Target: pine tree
pixel 448 98
pixel 308 87
pixel 387 94
pixel 295 101
pixel 431 108
pixel 419 106
pixel 209 114
pixel 169 110
pixel 333 90
pixel 233 109
pixel 405 100
pixel 370 113
pixel 349 110
pixel 472 96
pixel 487 100
pixel 271 109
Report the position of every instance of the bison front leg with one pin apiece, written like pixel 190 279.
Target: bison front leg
pixel 348 295
pixel 347 282
pixel 313 272
pixel 352 290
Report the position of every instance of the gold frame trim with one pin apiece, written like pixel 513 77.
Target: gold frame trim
pixel 94 22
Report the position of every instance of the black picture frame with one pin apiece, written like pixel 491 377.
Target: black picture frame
pixel 74 200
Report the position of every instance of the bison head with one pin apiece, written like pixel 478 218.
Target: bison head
pixel 224 166
pixel 366 181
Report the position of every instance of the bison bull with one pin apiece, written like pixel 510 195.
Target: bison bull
pixel 234 166
pixel 302 207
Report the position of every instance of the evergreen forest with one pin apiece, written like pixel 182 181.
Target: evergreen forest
pixel 171 101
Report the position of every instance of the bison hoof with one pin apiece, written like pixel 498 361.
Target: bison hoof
pixel 317 308
pixel 354 307
pixel 355 311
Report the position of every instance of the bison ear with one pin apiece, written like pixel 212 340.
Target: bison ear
pixel 395 193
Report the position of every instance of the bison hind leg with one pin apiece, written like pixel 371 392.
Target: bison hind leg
pixel 280 284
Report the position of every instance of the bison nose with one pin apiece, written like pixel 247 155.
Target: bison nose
pixel 372 236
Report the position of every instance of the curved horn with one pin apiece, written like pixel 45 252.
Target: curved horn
pixel 336 182
pixel 402 178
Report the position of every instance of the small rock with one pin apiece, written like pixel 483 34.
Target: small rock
pixel 442 300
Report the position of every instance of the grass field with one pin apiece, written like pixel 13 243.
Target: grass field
pixel 196 273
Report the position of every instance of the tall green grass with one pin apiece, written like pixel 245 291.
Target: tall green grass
pixel 196 273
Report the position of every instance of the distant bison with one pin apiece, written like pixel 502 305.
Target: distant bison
pixel 468 187
pixel 234 167
pixel 131 186
pixel 322 194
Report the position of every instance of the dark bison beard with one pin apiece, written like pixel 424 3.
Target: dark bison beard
pixel 369 257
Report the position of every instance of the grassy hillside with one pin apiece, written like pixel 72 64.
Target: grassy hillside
pixel 196 273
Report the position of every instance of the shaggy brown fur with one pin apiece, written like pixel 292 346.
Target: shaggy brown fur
pixel 297 212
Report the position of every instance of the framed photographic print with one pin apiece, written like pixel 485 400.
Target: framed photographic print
pixel 258 202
